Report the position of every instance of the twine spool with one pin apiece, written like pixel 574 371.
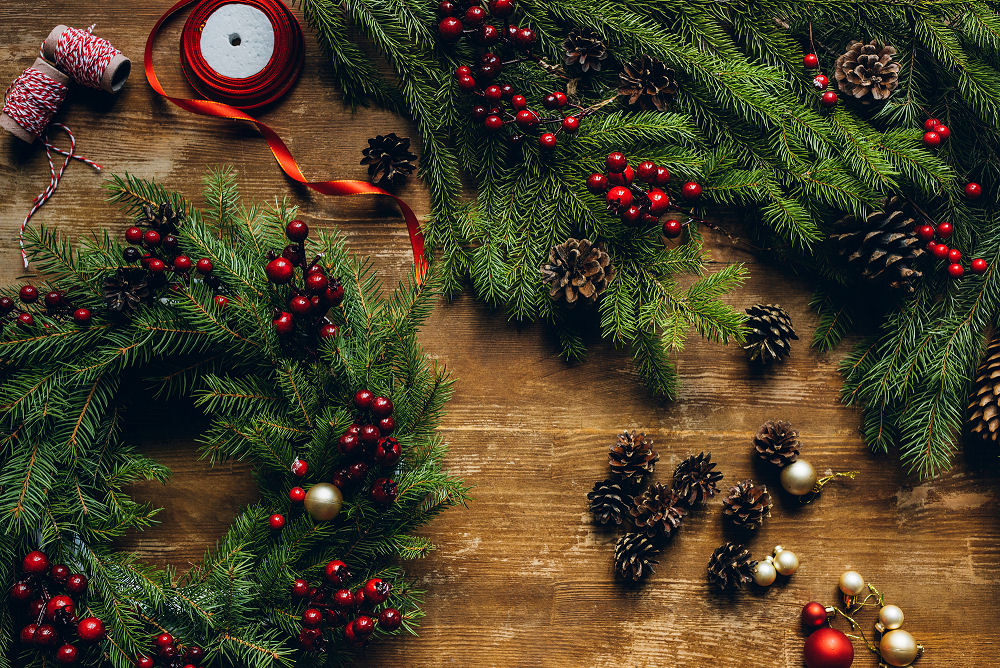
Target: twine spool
pixel 33 99
pixel 89 60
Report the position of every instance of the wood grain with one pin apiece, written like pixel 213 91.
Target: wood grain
pixel 521 576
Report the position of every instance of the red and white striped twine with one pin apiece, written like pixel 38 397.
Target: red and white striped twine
pixel 33 99
pixel 84 56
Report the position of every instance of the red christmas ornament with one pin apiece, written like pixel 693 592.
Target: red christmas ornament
pixel 691 190
pixel 450 29
pixel 956 270
pixel 810 60
pixel 944 230
pixel 931 123
pixel 336 572
pixel 813 615
pixel 276 521
pixel 973 190
pixel 76 584
pixel 931 139
pixel 390 619
pixel 57 603
pixel 35 563
pixel 828 648
pixel 828 99
pixel 940 251
pixel 382 406
pixel 279 270
pixel 571 124
pixel 296 494
pixel 299 467
pixel 979 265
pixel 597 183
pixel 284 324
pixel 616 162
pixel 646 171
pixel 925 232
pixel 90 629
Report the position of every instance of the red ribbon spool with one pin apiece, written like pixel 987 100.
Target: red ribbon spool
pixel 268 88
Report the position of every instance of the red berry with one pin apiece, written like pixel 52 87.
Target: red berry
pixel 493 122
pixel 979 265
pixel 299 467
pixel 479 112
pixel 810 60
pixel 357 471
pixel 284 324
pixel 955 270
pixel 547 141
pixel 377 590
pixel 488 34
pixel 462 71
pixel 474 16
pixel 90 629
pixel 53 299
pixel 632 215
pixel 658 201
pixel 942 131
pixel 58 603
pixel 466 82
pixel 973 190
pixel 691 190
pixel 501 8
pixel 390 619
pixel 363 399
pixel 204 266
pixel 646 171
pixel 524 38
pixel 387 425
pixel 526 119
pixel 45 635
pixel 672 228
pixel 26 320
pixel 925 232
pixel 387 452
pixel 276 521
pixel 450 29
pixel 170 242
pixel 336 572
pixel 76 584
pixel 616 162
pixel 28 294
pixel 299 305
pixel 940 251
pixel 67 654
pixel 350 637
pixel 955 255
pixel 348 444
pixel 151 238
pixel 156 265
pixel 489 72
pixel 312 618
pixel 931 123
pixel 820 81
pixel 662 177
pixel 519 102
pixel 369 434
pixel 279 270
pixel 493 93
pixel 561 98
pixel 328 330
pixel 220 301
pixel 622 178
pixel 297 230
pixel 133 235
pixel 182 263
pixel 813 615
pixel 300 588
pixel 382 406
pixel 620 197
pixel 296 494
pixel 36 608
pixel 828 99
pixel 316 282
pixel 597 183
pixel 59 573
pixel 144 662
pixel 21 591
pixel 363 626
pixel 194 654
pixel 35 563
pixel 931 139
pixel 944 229
pixel 6 304
pixel 571 124
pixel 384 491
pixel 28 634
pixel 550 101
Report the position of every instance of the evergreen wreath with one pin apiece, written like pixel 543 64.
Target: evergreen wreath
pixel 274 589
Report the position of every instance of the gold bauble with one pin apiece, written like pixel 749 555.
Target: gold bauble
pixel 798 478
pixel 323 501
pixel 898 648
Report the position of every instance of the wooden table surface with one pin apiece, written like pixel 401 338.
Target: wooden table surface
pixel 521 576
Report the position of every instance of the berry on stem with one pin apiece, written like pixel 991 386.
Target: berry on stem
pixel 284 324
pixel 276 521
pixel 616 162
pixel 336 572
pixel 691 190
pixel 76 584
pixel 547 141
pixel 672 228
pixel 390 619
pixel 620 197
pixel 943 131
pixel 597 183
pixel 28 294
pixel 828 99
pixel 220 301
pixel 931 139
pixel 90 629
pixel 955 270
pixel 151 238
pixel 939 251
pixel 450 29
pixel 133 235
pixel 297 230
pixel 973 190
pixel 26 319
pixel 979 266
pixel 622 178
pixel 925 232
pixel 493 122
pixel 296 494
pixel 810 60
pixel 204 266
pixel 820 81
pixel 571 124
pixel 659 202
pixel 35 563
pixel 646 171
pixel 931 123
pixel 300 588
pixel 299 467
pixel 279 270
pixel 944 229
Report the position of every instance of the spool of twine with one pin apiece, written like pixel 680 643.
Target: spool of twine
pixel 33 99
pixel 89 60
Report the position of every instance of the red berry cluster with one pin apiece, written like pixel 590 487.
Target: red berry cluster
pixel 51 621
pixel 828 98
pixel 56 302
pixel 333 605
pixel 935 132
pixel 369 442
pixel 944 230
pixel 167 653
pixel 460 18
pixel 634 204
pixel 312 299
pixel 156 248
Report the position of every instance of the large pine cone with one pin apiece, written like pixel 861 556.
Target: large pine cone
pixel 695 479
pixel 984 407
pixel 389 159
pixel 777 443
pixel 884 248
pixel 631 457
pixel 577 268
pixel 867 72
pixel 609 502
pixel 770 331
pixel 126 290
pixel 585 48
pixel 747 505
pixel 647 83
pixel 634 556
pixel 730 567
pixel 658 512
pixel 163 218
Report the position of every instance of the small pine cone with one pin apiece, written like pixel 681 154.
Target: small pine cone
pixel 163 218
pixel 770 332
pixel 631 457
pixel 389 159
pixel 126 290
pixel 867 72
pixel 747 505
pixel 585 48
pixel 730 567
pixel 777 443
pixel 658 512
pixel 647 84
pixel 609 502
pixel 984 407
pixel 695 479
pixel 634 556
pixel 577 268
pixel 883 248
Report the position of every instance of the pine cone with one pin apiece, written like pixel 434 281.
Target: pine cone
pixel 658 512
pixel 634 556
pixel 984 407
pixel 730 567
pixel 585 48
pixel 388 158
pixel 647 83
pixel 770 332
pixel 884 248
pixel 577 268
pixel 747 505
pixel 609 502
pixel 125 290
pixel 631 457
pixel 867 72
pixel 694 479
pixel 163 218
pixel 777 443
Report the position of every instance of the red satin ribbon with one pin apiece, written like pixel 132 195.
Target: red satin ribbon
pixel 274 142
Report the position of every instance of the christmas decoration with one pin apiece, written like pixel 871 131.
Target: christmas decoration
pixel 695 479
pixel 634 556
pixel 272 397
pixel 584 49
pixel 780 562
pixel 577 268
pixel 884 248
pixel 609 502
pixel 389 159
pixel 828 648
pixel 867 72
pixel 777 443
pixel 730 567
pixel 658 511
pixel 631 457
pixel 984 405
pixel 747 505
pixel 647 83
pixel 770 330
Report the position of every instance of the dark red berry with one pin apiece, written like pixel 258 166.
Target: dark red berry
pixel 619 197
pixel 300 588
pixel 26 320
pixel 337 572
pixel 90 629
pixel 182 263
pixel 28 634
pixel 597 183
pixel 220 301
pixel 45 635
pixel 646 171
pixel 194 654
pixel 297 230
pixel 931 139
pixel 493 93
pixel 450 29
pixel 133 235
pixel 954 255
pixel 474 16
pixel 672 228
pixel 550 101
pixel 524 38
pixel 279 270
pixel 662 177
pixel 151 238
pixel 479 112
pixel 363 626
pixel 169 652
pixel 616 162
pixel 387 452
pixel 349 635
pixel 526 119
pixel 299 467
pixel 519 102
pixel 144 662
pixel 810 60
pixel 390 619
pixel 493 122
pixel 944 229
pixel 276 521
pixel 622 178
pixel 384 491
pixel 828 99
pixel 156 265
pixel 691 190
pixel 357 471
pixel 501 8
pixel 942 131
pixel 343 598
pixel 659 201
pixel 67 654
pixel 349 445
pixel 632 215
pixel 58 604
pixel 979 265
pixel 299 305
pixel 334 293
pixel 940 251
pixel 21 591
pixel 955 270
pixel 328 330
pixel 466 82
pixel 931 123
pixel 548 141
pixel 561 98
pixel 170 242
pixel 571 124
pixel 488 34
pixel 53 299
pixel 821 81
pixel 6 304
pixel 284 324
pixel 28 294
pixel 204 266
pixel 382 406
pixel 363 399
pixel 76 584
pixel 296 494
pixel 973 190
pixel 925 232
pixel 36 608
pixel 387 425
pixel 377 590
pixel 312 618
pixel 35 563
pixel 370 434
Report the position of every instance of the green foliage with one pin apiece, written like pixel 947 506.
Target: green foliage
pixel 65 468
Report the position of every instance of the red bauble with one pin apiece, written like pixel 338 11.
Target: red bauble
pixel 658 201
pixel 571 124
pixel 57 603
pixel 622 178
pixel 942 131
pixel 390 619
pixel 204 266
pixel 810 60
pixel 363 399
pixel 67 654
pixel 328 330
pixel 931 123
pixel 813 615
pixel 133 235
pixel 387 452
pixel 296 494
pixel 279 270
pixel 336 572
pixel 955 270
pixel 300 588
pixel 35 563
pixel 620 197
pixel 672 228
pixel 382 406
pixel 979 265
pixel 940 251
pixel 299 467
pixel 944 230
pixel 387 425
pixel 973 190
pixel 90 629
pixel 276 521
pixel 299 305
pixel 82 316
pixel 450 29
pixel 76 584
pixel 28 294
pixel 931 139
pixel 616 162
pixel 284 324
pixel 547 141
pixel 828 648
pixel 925 232
pixel 691 190
pixel 820 81
pixel 384 491
pixel 182 263
pixel 597 183
pixel 377 590
pixel 151 238
pixel 646 171
pixel 493 122
pixel 828 99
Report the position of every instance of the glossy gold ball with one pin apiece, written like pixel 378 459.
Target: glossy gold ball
pixel 799 477
pixel 785 561
pixel 898 648
pixel 323 501
pixel 891 617
pixel 851 583
pixel 764 574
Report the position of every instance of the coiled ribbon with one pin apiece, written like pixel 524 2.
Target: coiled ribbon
pixel 265 86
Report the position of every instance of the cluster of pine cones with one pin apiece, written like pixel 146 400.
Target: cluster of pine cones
pixel 652 512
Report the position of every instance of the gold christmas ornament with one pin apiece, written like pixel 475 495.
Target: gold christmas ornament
pixel 890 617
pixel 785 561
pixel 764 573
pixel 899 648
pixel 323 501
pixel 851 583
pixel 799 477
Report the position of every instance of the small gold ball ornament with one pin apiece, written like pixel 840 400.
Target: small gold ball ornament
pixel 898 648
pixel 785 561
pixel 323 501
pixel 851 583
pixel 764 573
pixel 799 477
pixel 891 617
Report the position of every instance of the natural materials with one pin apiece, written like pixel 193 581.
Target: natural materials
pixel 631 457
pixel 610 502
pixel 647 83
pixel 389 159
pixel 634 554
pixel 730 567
pixel 984 406
pixel 658 511
pixel 777 443
pixel 695 479
pixel 769 333
pixel 577 269
pixel 747 505
pixel 867 72
pixel 585 49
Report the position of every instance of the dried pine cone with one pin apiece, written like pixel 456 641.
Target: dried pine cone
pixel 777 443
pixel 867 72
pixel 631 457
pixel 647 83
pixel 609 502
pixel 125 290
pixel 657 511
pixel 163 218
pixel 730 567
pixel 577 268
pixel 747 505
pixel 695 478
pixel 984 407
pixel 884 247
pixel 389 159
pixel 585 48
pixel 634 556
pixel 770 332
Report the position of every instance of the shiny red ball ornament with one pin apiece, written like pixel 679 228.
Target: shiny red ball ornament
pixel 284 324
pixel 622 178
pixel 979 266
pixel 57 603
pixel 299 467
pixel 616 162
pixel 390 619
pixel 133 235
pixel 377 590
pixel 76 584
pixel 337 572
pixel 296 494
pixel 942 131
pixel 813 615
pixel 691 190
pixel 279 270
pixel 931 123
pixel 466 82
pixel 973 190
pixel 182 263
pixel 672 228
pixel 954 255
pixel 828 99
pixel 28 294
pixel 619 197
pixel 363 399
pixel 312 618
pixel 939 251
pixel 450 29
pixel 67 654
pixel 571 124
pixel 382 406
pixel 659 201
pixel 828 648
pixel 944 230
pixel 90 629
pixel 810 60
pixel 820 81
pixel 35 563
pixel 931 139
pixel 956 270
pixel 646 171
pixel 204 266
pixel 297 230
pixel 662 177
pixel 597 183
pixel 548 141
pixel 276 521
pixel 925 232
pixel 384 491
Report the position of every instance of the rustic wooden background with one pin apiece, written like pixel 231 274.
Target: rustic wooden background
pixel 522 577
